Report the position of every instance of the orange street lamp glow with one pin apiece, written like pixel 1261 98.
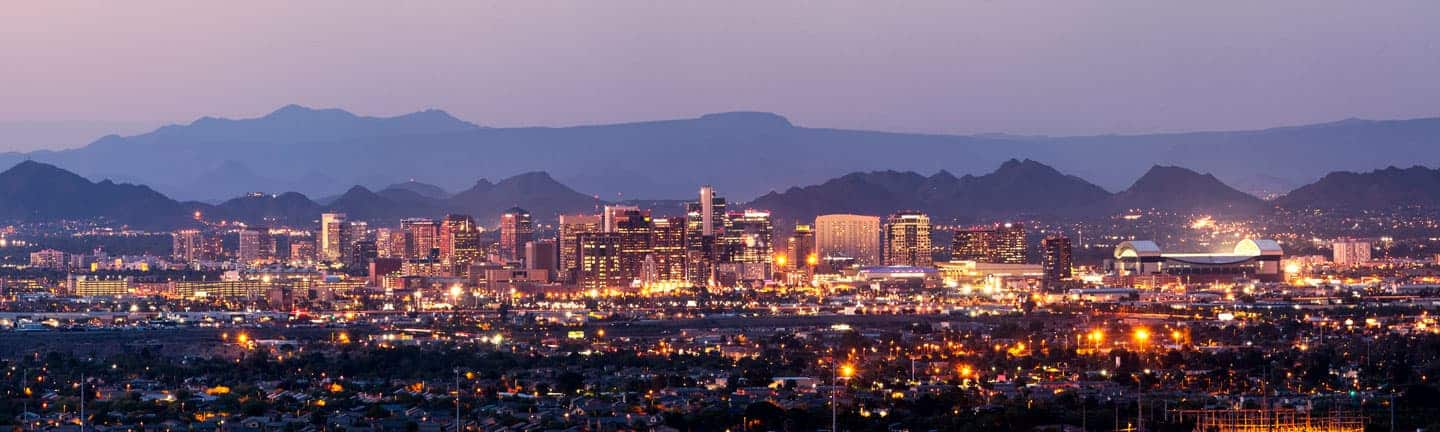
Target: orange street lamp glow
pixel 780 260
pixel 1142 335
pixel 847 371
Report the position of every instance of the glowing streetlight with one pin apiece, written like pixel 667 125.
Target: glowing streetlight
pixel 1141 336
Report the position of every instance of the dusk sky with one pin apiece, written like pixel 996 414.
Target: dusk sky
pixel 74 70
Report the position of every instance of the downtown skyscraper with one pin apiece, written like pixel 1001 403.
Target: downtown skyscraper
pixel 848 238
pixel 907 240
pixel 516 229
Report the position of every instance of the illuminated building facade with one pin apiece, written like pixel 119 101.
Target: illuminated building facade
pixel 668 249
pixel 89 286
pixel 47 259
pixel 255 246
pixel 634 228
pixel 599 261
pixel 907 240
pixel 459 240
pixel 704 225
pixel 571 227
pixel 1251 259
pixel 332 236
pixel 187 245
pixel 848 236
pixel 516 229
pixel 752 232
pixel 542 255
pixel 1056 259
pixel 423 238
pixel 1349 252
pixel 1000 244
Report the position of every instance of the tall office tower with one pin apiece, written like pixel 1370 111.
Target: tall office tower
pixel 384 242
pixel 187 245
pixel 1057 260
pixel 800 248
pixel 332 237
pixel 459 240
pixel 541 255
pixel 213 247
pixel 704 224
pixel 302 249
pixel 571 227
pixel 612 215
pixel 752 233
pixel 974 244
pixel 1001 244
pixel 252 246
pixel 1348 252
pixel 848 236
pixel 598 256
pixel 668 249
pixel 355 232
pixel 1013 248
pixel 907 240
pixel 424 241
pixel 362 252
pixel 516 229
pixel 634 228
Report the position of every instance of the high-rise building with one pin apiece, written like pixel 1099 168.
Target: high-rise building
pixel 800 247
pixel 47 259
pixel 516 229
pixel 255 246
pixel 302 249
pixel 187 245
pixel 704 225
pixel 1056 260
pixel 424 238
pixel 668 249
pixel 753 232
pixel 355 232
pixel 1000 244
pixel 1014 248
pixel 855 237
pixel 332 236
pixel 385 242
pixel 907 240
pixel 541 255
pixel 634 228
pixel 1348 252
pixel 571 227
pixel 361 254
pixel 599 262
pixel 612 215
pixel 459 240
pixel 974 244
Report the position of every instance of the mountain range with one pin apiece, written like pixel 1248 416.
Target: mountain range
pixel 324 152
pixel 34 191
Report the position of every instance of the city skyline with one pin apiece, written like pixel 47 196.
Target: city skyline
pixel 658 216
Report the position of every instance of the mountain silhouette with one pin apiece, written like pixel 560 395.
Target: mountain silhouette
pixel 321 152
pixel 1380 189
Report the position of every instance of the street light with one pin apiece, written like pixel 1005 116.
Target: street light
pixel 1141 336
pixel 846 371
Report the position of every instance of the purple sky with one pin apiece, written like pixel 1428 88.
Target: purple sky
pixel 1067 67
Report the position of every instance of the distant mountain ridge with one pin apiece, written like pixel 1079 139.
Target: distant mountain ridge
pixel 1019 188
pixel 1180 189
pixel 34 191
pixel 1387 188
pixel 323 152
